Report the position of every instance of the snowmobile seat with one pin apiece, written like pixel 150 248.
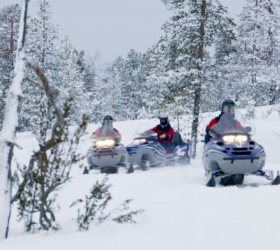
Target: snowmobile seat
pixel 177 139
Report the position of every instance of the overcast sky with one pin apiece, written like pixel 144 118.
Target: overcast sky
pixel 112 27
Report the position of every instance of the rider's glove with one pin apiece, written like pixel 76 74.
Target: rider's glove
pixel 163 136
pixel 247 129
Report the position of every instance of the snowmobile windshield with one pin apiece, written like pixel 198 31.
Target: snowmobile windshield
pixel 144 130
pixel 106 132
pixel 232 123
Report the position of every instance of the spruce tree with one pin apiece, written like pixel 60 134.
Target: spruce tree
pixel 42 50
pixel 191 31
pixel 69 80
pixel 258 51
pixel 62 65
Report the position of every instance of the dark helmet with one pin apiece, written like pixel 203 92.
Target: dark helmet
pixel 107 120
pixel 228 107
pixel 163 118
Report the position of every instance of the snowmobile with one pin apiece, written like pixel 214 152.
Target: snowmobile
pixel 146 151
pixel 232 154
pixel 106 154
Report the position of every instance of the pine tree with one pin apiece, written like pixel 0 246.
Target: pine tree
pixel 124 86
pixel 115 81
pixel 69 80
pixel 62 65
pixel 156 79
pixel 132 86
pixel 91 79
pixel 42 50
pixel 191 31
pixel 258 51
pixel 223 78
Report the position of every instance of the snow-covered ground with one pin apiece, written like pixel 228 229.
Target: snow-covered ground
pixel 180 212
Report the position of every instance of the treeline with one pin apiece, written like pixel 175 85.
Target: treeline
pixel 203 57
pixel 240 61
pixel 64 66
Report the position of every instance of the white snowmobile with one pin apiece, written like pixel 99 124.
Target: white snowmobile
pixel 106 154
pixel 231 154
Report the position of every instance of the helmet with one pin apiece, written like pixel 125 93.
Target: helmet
pixel 107 120
pixel 228 107
pixel 163 118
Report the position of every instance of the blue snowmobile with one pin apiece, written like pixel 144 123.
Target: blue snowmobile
pixel 146 151
pixel 231 154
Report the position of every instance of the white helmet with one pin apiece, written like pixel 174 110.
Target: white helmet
pixel 163 118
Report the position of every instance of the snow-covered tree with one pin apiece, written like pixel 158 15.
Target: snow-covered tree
pixel 258 51
pixel 133 84
pixel 69 80
pixel 112 90
pixel 155 97
pixel 9 21
pixel 42 50
pixel 10 123
pixel 191 31
pixel 62 65
pixel 88 66
pixel 123 86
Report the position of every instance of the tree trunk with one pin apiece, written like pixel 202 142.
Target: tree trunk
pixel 272 93
pixel 7 136
pixel 198 87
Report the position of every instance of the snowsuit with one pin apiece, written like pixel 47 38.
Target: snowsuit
pixel 166 130
pixel 165 134
pixel 234 124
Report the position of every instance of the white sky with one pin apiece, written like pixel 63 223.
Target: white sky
pixel 112 27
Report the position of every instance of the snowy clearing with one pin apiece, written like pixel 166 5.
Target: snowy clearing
pixel 180 212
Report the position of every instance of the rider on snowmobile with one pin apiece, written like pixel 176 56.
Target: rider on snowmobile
pixel 107 130
pixel 164 132
pixel 226 119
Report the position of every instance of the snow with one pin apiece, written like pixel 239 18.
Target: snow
pixel 180 212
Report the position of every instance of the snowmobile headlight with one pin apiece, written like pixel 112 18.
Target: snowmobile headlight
pixel 108 143
pixel 241 139
pixel 235 139
pixel 228 139
pixel 139 141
